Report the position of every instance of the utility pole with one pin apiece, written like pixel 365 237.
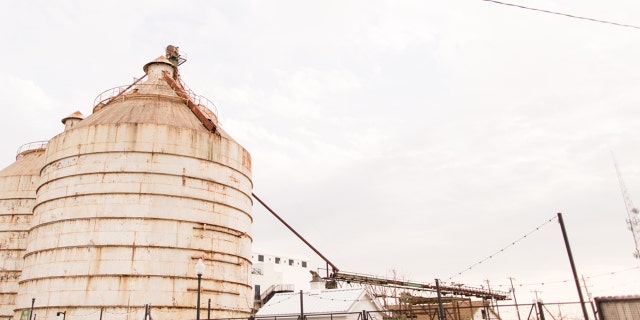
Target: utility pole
pixel 573 265
pixel 441 315
pixel 513 290
pixel 536 292
pixel 538 305
pixel 586 289
pixel 493 304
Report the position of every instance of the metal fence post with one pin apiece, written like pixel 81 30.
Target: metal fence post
pixel 301 307
pixel 540 310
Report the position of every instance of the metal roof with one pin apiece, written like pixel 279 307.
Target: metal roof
pixel 326 301
pixel 151 102
pixel 75 115
pixel 28 162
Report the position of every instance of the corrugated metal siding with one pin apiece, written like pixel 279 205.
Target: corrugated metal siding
pixel 618 308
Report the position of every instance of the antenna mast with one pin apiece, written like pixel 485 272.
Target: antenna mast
pixel 633 221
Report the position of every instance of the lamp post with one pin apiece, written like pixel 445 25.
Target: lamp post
pixel 33 301
pixel 63 313
pixel 199 272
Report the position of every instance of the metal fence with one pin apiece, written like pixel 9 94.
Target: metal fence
pixel 532 311
pixel 471 311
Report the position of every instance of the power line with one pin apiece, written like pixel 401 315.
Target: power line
pixel 564 14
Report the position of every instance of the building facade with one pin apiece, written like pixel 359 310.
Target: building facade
pixel 277 273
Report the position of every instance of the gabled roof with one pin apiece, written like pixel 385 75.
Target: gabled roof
pixel 326 301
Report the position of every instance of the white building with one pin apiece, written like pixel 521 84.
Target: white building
pixel 335 304
pixel 271 274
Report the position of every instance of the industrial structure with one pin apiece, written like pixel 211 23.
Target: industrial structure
pixel 112 216
pixel 113 213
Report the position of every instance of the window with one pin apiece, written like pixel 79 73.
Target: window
pixel 304 264
pixel 260 257
pixel 256 296
pixel 290 262
pixel 278 260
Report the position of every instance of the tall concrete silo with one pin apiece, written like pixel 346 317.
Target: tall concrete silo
pixel 18 183
pixel 130 198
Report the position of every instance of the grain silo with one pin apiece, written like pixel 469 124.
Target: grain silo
pixel 130 198
pixel 18 183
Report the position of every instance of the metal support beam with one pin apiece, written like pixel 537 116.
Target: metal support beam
pixel 573 266
pixel 333 267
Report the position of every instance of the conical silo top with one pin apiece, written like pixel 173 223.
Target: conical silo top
pixel 76 115
pixel 158 60
pixel 162 99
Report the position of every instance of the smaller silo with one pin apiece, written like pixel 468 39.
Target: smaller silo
pixel 18 183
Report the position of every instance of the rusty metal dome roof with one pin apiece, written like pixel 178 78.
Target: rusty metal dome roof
pixel 76 115
pixel 160 59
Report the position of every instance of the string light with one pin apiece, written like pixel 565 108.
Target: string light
pixel 331 299
pixel 569 280
pixel 283 300
pixel 611 273
pixel 127 312
pixel 84 315
pixel 502 250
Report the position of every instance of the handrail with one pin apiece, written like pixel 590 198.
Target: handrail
pixel 203 108
pixel 110 95
pixel 196 108
pixel 104 98
pixel 274 288
pixel 30 147
pixel 199 99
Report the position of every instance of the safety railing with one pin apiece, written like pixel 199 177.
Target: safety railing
pixel 31 147
pixel 206 106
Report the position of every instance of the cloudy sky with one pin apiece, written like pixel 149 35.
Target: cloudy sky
pixel 415 136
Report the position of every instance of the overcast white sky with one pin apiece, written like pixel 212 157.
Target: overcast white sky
pixel 417 136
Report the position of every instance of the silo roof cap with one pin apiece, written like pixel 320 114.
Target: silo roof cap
pixel 160 59
pixel 76 115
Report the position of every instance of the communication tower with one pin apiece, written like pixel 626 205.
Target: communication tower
pixel 633 220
